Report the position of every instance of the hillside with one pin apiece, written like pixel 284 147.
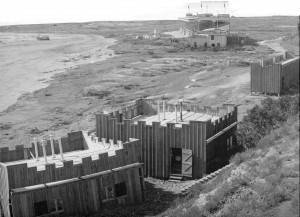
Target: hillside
pixel 264 181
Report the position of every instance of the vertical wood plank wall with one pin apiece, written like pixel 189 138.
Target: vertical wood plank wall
pixel 268 78
pixel 21 176
pixel 4 191
pixel 157 141
pixel 81 197
pixel 73 142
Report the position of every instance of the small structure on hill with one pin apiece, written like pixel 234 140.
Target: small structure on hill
pixel 274 75
pixel 176 140
pixel 75 175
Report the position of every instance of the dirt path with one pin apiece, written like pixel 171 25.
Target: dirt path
pixel 274 44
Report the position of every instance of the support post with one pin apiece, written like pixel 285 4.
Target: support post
pixel 36 150
pixel 181 111
pixel 52 146
pixel 44 151
pixel 60 149
pixel 176 114
pixel 164 110
pixel 158 111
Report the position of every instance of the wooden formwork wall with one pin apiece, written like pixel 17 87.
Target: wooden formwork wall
pixel 82 197
pixel 217 148
pixel 274 77
pixel 73 142
pixel 4 191
pixel 290 72
pixel 265 79
pixel 21 176
pixel 157 141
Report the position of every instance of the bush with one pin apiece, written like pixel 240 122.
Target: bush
pixel 260 120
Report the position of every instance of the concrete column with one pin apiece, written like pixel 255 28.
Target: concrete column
pixel 111 141
pixel 36 150
pixel 103 141
pixel 158 111
pixel 60 148
pixel 44 151
pixel 120 144
pixel 52 146
pixel 176 114
pixel 164 110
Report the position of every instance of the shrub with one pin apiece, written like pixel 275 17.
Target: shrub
pixel 260 120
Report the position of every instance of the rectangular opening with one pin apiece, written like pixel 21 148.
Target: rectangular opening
pixel 56 206
pixel 176 161
pixel 41 208
pixel 212 37
pixel 121 189
pixel 107 193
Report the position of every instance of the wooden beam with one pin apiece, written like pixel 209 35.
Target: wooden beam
pixel 221 132
pixel 66 181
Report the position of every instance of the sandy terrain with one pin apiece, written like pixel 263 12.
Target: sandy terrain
pixel 28 64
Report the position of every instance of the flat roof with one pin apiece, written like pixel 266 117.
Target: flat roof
pixel 75 156
pixel 170 118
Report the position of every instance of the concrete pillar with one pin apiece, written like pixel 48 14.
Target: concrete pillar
pixel 36 149
pixel 120 144
pixel 111 141
pixel 176 114
pixel 44 151
pixel 52 146
pixel 60 149
pixel 158 111
pixel 103 141
pixel 164 110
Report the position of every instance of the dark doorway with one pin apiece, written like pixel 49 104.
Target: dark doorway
pixel 213 45
pixel 176 161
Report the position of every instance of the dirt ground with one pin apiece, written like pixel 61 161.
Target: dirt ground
pixel 69 99
pixel 133 69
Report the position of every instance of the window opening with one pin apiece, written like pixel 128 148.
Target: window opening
pixel 121 189
pixel 41 208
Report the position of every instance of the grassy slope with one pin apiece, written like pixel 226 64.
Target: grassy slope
pixel 263 182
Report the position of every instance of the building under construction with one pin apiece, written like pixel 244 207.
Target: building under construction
pixel 75 176
pixel 196 23
pixel 176 140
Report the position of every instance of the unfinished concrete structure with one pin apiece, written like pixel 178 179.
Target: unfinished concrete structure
pixel 75 175
pixel 182 140
pixel 274 75
pixel 210 38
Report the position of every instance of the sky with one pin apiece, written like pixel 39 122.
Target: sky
pixel 59 11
